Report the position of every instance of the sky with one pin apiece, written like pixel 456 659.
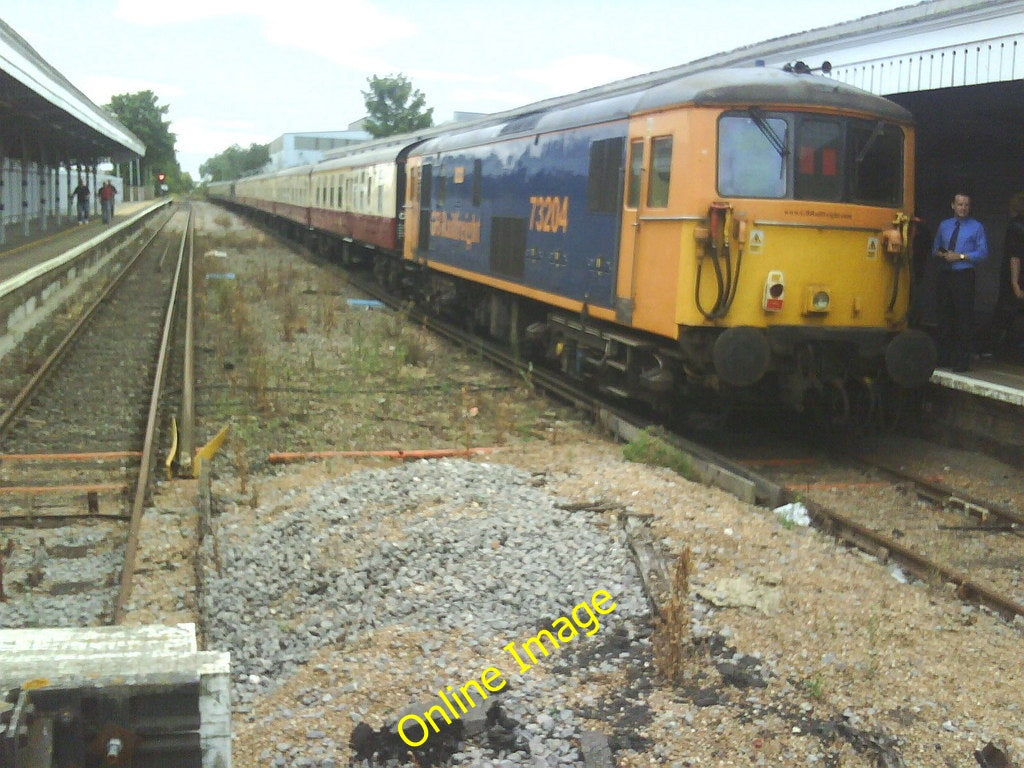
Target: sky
pixel 245 71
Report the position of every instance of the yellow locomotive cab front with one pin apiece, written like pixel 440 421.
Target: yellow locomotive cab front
pixel 797 265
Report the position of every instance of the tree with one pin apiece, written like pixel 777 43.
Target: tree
pixel 235 162
pixel 140 114
pixel 394 107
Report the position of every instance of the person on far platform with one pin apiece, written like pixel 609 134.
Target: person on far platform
pixel 107 193
pixel 960 244
pixel 81 194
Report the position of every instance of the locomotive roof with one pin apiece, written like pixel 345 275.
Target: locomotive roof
pixel 763 86
pixel 748 86
pixel 741 86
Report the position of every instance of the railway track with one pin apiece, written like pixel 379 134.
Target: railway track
pixel 923 527
pixel 77 446
pixel 921 524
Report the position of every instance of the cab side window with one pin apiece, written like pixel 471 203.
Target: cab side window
pixel 636 169
pixel 661 172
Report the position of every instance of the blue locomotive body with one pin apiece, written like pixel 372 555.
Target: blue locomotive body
pixel 536 209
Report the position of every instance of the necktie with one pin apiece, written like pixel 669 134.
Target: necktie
pixel 952 237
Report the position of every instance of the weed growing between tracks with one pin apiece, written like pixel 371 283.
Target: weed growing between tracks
pixel 648 448
pixel 671 641
pixel 291 365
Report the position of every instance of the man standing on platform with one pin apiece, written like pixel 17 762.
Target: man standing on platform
pixel 107 194
pixel 81 193
pixel 961 244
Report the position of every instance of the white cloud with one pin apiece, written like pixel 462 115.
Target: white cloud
pixel 99 88
pixel 310 25
pixel 198 135
pixel 199 139
pixel 149 14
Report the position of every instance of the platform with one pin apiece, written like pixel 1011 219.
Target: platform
pixel 21 252
pixel 991 380
pixel 980 410
pixel 142 696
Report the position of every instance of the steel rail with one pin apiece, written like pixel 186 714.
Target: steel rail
pixel 886 547
pixel 714 468
pixel 22 398
pixel 944 494
pixel 186 430
pixel 883 547
pixel 146 462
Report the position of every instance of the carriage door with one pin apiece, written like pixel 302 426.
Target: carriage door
pixel 426 195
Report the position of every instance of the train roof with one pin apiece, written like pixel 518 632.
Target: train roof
pixel 741 86
pixel 295 170
pixel 749 86
pixel 760 85
pixel 368 153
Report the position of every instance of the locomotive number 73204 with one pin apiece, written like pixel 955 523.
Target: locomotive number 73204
pixel 549 214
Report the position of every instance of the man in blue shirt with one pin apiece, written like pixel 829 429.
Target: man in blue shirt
pixel 961 244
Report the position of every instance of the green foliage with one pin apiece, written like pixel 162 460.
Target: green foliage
pixel 815 687
pixel 648 448
pixel 140 114
pixel 235 162
pixel 394 107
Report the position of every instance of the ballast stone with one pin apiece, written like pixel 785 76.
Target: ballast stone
pixel 518 561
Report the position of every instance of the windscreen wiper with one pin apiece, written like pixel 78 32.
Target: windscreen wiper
pixel 879 128
pixel 769 133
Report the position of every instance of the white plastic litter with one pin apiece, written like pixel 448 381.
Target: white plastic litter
pixel 795 513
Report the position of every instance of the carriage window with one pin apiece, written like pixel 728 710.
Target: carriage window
pixel 661 168
pixel 750 163
pixel 636 168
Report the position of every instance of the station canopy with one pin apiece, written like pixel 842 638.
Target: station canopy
pixel 42 115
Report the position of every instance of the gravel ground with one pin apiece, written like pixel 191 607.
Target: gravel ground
pixel 800 652
pixel 354 591
pixel 443 564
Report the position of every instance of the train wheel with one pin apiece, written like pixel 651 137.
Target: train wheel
pixel 830 404
pixel 898 407
pixel 387 273
pixel 380 272
pixel 864 403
